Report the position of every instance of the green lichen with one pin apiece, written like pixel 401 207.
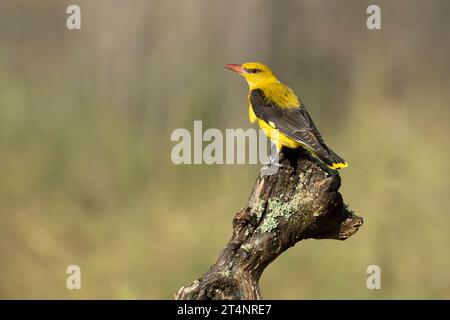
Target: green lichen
pixel 303 177
pixel 226 273
pixel 250 246
pixel 247 247
pixel 277 209
pixel 259 209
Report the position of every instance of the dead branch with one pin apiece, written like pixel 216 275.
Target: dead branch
pixel 300 201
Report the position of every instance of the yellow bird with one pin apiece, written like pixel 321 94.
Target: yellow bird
pixel 281 114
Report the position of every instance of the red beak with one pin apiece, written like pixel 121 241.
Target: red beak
pixel 235 67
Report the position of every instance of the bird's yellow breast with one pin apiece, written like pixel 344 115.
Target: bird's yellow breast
pixel 251 115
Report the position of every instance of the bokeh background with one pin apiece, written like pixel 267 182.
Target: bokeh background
pixel 86 118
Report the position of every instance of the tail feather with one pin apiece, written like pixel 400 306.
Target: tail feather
pixel 334 161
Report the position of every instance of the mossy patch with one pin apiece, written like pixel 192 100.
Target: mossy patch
pixel 277 208
pixel 304 176
pixel 226 273
pixel 247 247
pixel 251 245
pixel 259 208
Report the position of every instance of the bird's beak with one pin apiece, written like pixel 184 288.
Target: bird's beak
pixel 235 67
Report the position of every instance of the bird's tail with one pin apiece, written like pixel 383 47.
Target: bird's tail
pixel 334 161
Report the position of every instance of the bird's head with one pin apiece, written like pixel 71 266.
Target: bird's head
pixel 256 74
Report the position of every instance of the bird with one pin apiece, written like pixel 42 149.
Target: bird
pixel 281 115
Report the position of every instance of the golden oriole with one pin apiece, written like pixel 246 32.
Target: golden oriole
pixel 281 114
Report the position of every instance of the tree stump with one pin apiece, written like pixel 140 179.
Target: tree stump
pixel 299 201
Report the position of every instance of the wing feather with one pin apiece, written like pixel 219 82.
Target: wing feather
pixel 296 123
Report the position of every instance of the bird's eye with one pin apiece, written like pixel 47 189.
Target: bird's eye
pixel 253 70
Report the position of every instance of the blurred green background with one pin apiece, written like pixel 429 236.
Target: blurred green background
pixel 86 118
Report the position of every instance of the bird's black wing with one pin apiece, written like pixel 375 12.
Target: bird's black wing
pixel 295 123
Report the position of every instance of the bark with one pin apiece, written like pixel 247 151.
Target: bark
pixel 299 201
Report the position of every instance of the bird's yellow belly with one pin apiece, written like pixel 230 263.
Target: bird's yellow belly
pixel 277 137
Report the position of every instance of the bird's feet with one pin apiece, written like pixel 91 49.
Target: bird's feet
pixel 271 167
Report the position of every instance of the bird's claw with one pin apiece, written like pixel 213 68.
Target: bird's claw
pixel 270 168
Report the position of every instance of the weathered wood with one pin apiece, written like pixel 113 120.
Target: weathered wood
pixel 300 201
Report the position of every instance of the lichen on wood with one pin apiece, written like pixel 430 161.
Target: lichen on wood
pixel 300 201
